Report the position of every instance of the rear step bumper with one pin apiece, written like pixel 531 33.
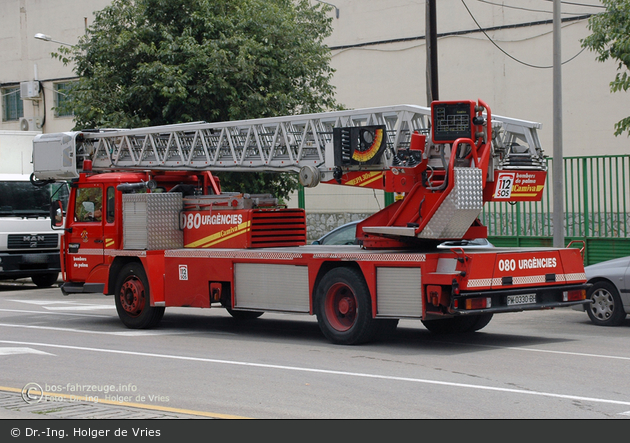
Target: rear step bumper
pixel 520 308
pixel 547 297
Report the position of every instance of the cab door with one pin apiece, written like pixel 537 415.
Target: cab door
pixel 84 242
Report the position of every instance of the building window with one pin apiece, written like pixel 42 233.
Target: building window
pixel 61 98
pixel 12 105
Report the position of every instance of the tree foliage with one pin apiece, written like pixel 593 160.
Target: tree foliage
pixel 610 38
pixel 154 62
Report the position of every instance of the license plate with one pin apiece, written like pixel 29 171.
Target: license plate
pixel 524 299
pixel 34 258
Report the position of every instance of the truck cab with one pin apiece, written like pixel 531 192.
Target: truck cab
pixel 94 223
pixel 29 248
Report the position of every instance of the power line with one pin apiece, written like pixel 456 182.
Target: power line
pixel 506 53
pixel 459 33
pixel 520 8
pixel 579 4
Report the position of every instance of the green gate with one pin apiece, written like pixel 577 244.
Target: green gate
pixel 596 204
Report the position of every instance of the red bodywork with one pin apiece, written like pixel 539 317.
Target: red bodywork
pixel 203 272
pixel 256 259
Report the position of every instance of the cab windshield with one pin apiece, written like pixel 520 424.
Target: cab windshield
pixel 21 198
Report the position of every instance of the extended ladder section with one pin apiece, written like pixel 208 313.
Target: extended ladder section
pixel 442 158
pixel 288 143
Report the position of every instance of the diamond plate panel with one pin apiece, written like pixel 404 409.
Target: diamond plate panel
pixel 460 208
pixel 151 221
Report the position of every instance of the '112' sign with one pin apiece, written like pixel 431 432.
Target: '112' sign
pixel 504 185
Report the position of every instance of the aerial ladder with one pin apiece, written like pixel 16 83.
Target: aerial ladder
pixel 447 159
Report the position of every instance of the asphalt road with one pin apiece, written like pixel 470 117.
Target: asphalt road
pixel 203 364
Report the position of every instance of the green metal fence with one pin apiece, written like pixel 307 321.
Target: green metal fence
pixel 596 205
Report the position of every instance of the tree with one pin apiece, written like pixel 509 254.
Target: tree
pixel 610 38
pixel 154 62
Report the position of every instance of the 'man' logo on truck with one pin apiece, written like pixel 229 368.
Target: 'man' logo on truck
pixel 33 239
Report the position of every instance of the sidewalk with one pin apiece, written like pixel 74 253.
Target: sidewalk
pixel 13 407
pixel 10 414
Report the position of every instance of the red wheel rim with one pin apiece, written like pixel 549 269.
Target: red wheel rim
pixel 341 307
pixel 132 296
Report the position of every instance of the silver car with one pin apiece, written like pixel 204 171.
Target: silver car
pixel 610 293
pixel 347 235
pixel 342 235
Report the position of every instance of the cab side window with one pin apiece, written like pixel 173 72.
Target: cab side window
pixel 111 204
pixel 89 205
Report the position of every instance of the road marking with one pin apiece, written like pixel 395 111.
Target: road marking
pixel 16 351
pixel 133 333
pixel 43 302
pixel 22 311
pixel 328 371
pixel 78 308
pixel 66 305
pixel 513 348
pixel 136 405
pixel 579 354
pixel 547 351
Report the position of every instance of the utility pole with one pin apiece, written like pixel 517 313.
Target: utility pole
pixel 558 161
pixel 431 39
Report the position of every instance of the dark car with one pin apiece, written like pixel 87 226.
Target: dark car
pixel 610 293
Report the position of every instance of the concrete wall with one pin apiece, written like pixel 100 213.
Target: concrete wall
pixel 318 224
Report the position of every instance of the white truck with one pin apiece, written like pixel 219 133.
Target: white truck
pixel 29 247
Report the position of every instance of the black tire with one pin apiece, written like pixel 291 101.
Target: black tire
pixel 458 325
pixel 387 327
pixel 244 315
pixel 344 307
pixel 132 299
pixel 606 308
pixel 45 280
pixel 481 321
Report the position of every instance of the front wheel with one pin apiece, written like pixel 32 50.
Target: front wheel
pixel 606 308
pixel 133 299
pixel 344 307
pixel 45 280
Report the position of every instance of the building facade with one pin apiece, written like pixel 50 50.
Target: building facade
pixel 499 51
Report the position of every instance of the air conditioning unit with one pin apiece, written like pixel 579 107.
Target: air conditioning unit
pixel 28 124
pixel 29 90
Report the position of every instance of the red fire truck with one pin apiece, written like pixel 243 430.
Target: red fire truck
pixel 147 222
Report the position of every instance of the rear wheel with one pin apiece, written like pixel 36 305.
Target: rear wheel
pixel 45 280
pixel 606 308
pixel 344 307
pixel 133 299
pixel 481 321
pixel 458 325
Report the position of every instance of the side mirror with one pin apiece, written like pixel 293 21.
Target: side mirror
pixel 56 214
